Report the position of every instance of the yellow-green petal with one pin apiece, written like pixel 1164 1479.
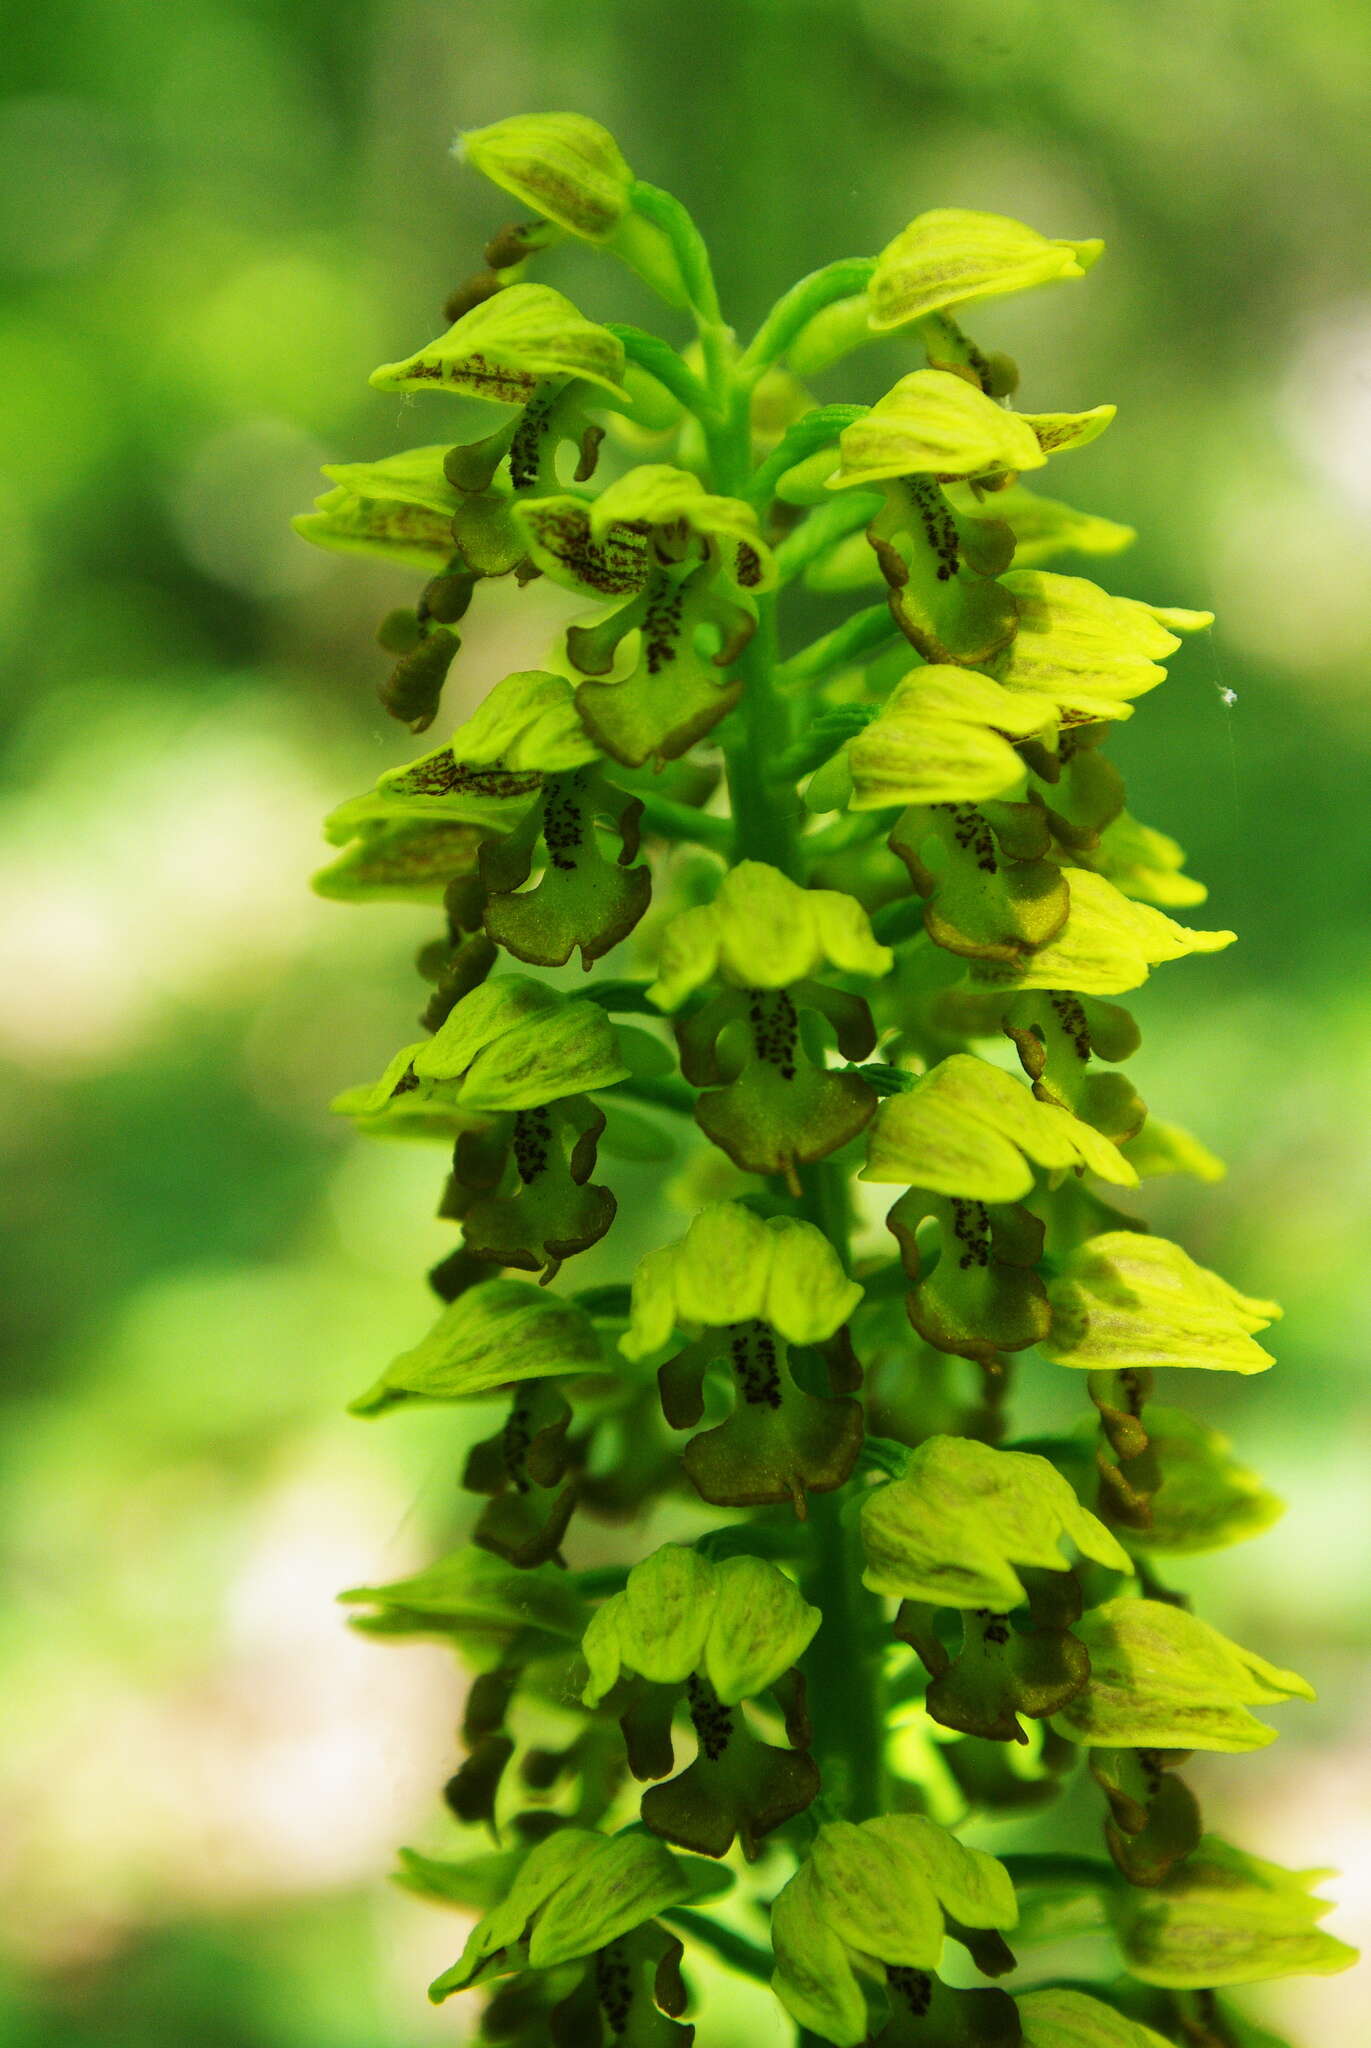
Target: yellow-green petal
pixel 951 254
pixel 1161 1678
pixel 763 931
pixel 1109 944
pixel 971 1129
pixel 962 1520
pixel 934 423
pixel 498 1332
pixel 1128 1301
pixel 507 345
pixel 1224 1917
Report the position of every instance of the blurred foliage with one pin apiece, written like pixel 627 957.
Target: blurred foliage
pixel 214 219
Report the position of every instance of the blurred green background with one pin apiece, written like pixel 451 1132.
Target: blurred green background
pixel 215 217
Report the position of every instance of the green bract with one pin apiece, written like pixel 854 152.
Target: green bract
pixel 474 1594
pixel 855 911
pixel 954 1528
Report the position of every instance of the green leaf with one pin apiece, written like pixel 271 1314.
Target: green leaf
pixel 970 1129
pixel 405 860
pixel 1161 1678
pixel 1069 2019
pixel 963 1519
pixel 763 931
pixel 733 1267
pixel 1108 945
pixel 1129 1301
pixel 471 1590
pixel 498 1332
pixel 951 255
pixel 741 1622
pixel 943 736
pixel 1206 1499
pixel 564 166
pixel 528 721
pixel 1225 1917
pixel 400 508
pixel 1089 652
pixel 933 423
pixel 507 345
pixel 514 1043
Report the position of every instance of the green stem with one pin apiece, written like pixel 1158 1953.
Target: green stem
pixel 766 820
pixel 844 1681
pixel 858 634
pixel 843 1664
pixel 663 1091
pixel 825 525
pixel 815 431
pixel 734 1949
pixel 672 820
pixel 661 361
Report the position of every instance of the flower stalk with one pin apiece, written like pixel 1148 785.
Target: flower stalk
pixel 866 905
